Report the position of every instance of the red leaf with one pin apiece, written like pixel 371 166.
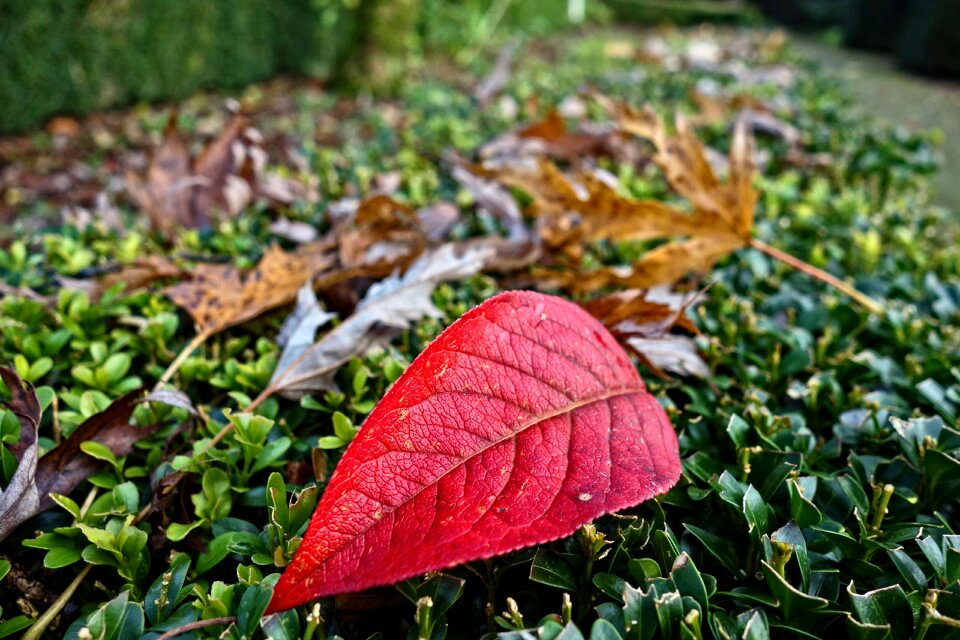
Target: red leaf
pixel 521 422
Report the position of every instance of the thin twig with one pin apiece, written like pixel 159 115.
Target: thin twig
pixel 869 303
pixel 36 631
pixel 185 353
pixel 197 624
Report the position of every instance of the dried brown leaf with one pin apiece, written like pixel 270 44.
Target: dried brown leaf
pixel 19 500
pixel 437 220
pixel 387 307
pixel 496 200
pixel 184 192
pixel 720 222
pixel 134 276
pixel 219 296
pixel 383 232
pixel 61 470
pixel 642 322
pixel 167 196
pixel 550 138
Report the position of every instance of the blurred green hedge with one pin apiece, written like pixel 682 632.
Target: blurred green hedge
pixel 75 56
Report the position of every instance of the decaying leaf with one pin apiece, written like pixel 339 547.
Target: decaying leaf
pixel 498 78
pixel 172 398
pixel 300 328
pixel 438 219
pixel 642 322
pixel 388 306
pixel 183 191
pixel 299 232
pixel 219 296
pixel 382 232
pixel 66 466
pixel 584 208
pixel 551 138
pixel 496 200
pixel 519 423
pixel 21 497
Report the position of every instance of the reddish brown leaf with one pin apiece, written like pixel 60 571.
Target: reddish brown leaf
pixel 551 138
pixel 19 499
pixel 61 470
pixel 521 422
pixel 182 191
pixel 383 232
pixel 642 322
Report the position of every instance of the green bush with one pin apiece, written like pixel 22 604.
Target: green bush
pixel 76 56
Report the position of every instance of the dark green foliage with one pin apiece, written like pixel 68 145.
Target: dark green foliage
pixel 819 495
pixel 80 55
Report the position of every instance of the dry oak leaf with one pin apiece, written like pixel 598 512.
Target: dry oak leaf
pixel 572 211
pixel 388 307
pixel 219 296
pixel 519 423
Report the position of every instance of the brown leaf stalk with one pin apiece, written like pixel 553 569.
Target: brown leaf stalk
pixel 869 303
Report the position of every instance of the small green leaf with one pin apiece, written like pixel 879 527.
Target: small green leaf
pixel 99 451
pixel 252 605
pixel 603 630
pixel 550 569
pixel 177 531
pixel 688 580
pixel 887 606
pixel 282 626
pixel 717 546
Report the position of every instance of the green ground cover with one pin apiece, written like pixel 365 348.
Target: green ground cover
pixel 821 470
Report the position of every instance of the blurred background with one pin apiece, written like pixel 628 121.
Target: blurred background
pixel 78 56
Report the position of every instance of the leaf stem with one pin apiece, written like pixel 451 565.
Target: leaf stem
pixel 196 624
pixel 185 353
pixel 37 630
pixel 869 303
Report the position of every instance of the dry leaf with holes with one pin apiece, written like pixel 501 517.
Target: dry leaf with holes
pixel 219 296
